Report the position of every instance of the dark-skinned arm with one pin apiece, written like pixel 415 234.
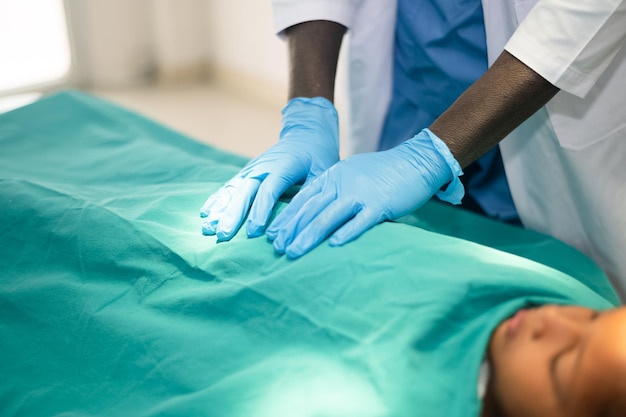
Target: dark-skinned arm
pixel 499 101
pixel 313 49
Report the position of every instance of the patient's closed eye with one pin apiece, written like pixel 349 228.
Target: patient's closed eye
pixel 565 363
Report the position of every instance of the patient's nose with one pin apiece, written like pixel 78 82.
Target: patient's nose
pixel 559 322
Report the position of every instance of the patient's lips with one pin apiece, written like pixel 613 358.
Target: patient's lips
pixel 515 323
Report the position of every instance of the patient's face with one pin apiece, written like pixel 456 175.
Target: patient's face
pixel 559 361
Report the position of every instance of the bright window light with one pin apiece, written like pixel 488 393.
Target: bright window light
pixel 34 44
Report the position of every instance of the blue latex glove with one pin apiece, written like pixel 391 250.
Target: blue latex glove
pixel 364 190
pixel 308 145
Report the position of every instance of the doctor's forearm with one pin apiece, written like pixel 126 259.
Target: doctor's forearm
pixel 313 54
pixel 506 95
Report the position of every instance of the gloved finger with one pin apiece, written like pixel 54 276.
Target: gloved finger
pixel 209 226
pixel 269 192
pixel 319 228
pixel 215 206
pixel 284 217
pixel 301 219
pixel 233 216
pixel 216 201
pixel 363 221
pixel 219 200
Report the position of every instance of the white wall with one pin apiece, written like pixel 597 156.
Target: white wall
pixel 121 43
pixel 230 43
pixel 112 41
pixel 179 37
pixel 242 46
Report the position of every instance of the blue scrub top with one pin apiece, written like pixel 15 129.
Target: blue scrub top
pixel 440 50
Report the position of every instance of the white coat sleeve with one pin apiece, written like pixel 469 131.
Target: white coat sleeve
pixel 569 42
pixel 291 12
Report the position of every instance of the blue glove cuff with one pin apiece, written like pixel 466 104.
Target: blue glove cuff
pixel 455 191
pixel 319 101
pixel 316 111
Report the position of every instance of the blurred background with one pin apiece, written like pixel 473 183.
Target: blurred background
pixel 211 69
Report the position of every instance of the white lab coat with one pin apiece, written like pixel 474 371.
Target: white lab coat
pixel 566 165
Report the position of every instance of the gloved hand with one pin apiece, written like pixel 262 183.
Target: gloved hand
pixel 366 189
pixel 308 145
